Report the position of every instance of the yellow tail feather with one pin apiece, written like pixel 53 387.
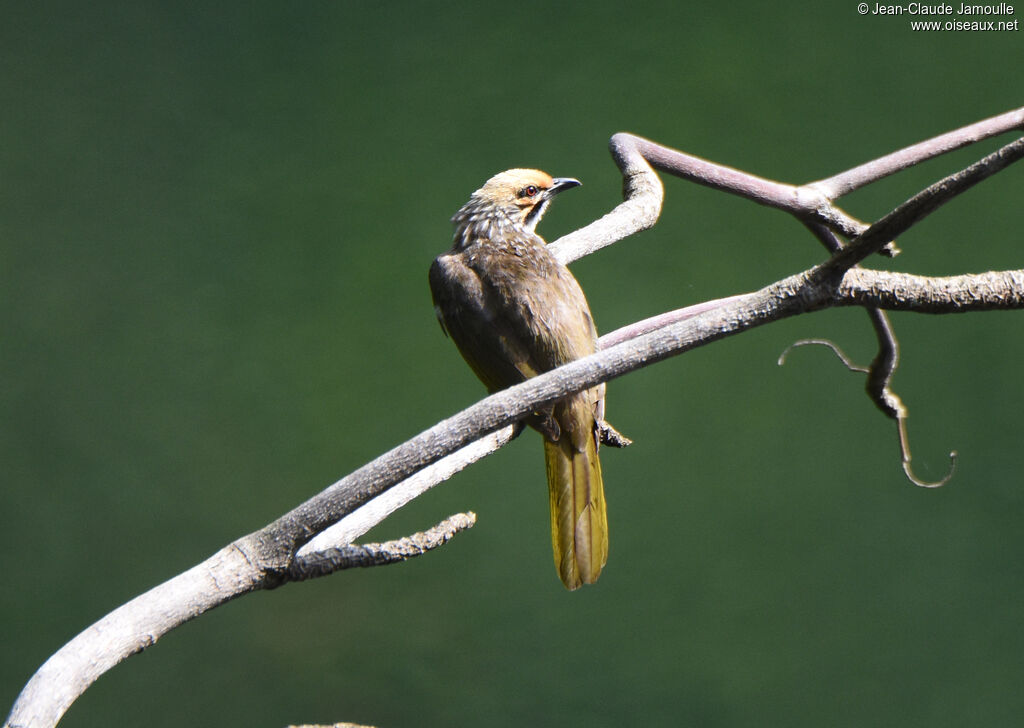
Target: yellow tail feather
pixel 579 519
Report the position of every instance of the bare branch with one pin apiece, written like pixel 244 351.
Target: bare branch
pixel 845 182
pixel 878 387
pixel 312 564
pixel 812 203
pixel 881 371
pixel 923 204
pixel 1003 290
pixel 362 519
pixel 130 628
pixel 642 195
pixel 263 559
pixel 275 555
pixel 804 202
pixel 661 320
pixel 883 367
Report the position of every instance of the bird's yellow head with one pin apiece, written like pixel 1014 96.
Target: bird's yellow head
pixel 516 198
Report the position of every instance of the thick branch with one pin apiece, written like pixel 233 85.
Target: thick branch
pixel 129 629
pixel 924 294
pixel 792 295
pixel 264 559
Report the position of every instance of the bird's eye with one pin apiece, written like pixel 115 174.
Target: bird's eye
pixel 529 191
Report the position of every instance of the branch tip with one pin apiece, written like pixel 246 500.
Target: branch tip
pixel 847 362
pixel 329 560
pixel 905 457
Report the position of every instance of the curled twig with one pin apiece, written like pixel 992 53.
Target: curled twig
pixel 905 456
pixel 829 345
pixel 878 387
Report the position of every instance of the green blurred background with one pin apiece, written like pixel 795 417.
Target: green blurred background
pixel 215 227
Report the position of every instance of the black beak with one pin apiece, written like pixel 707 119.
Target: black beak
pixel 562 183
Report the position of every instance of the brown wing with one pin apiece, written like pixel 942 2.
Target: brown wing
pixel 480 329
pixel 513 316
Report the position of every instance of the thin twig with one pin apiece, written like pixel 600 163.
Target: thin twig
pixel 828 344
pixel 852 179
pixel 878 386
pixel 905 455
pixel 312 564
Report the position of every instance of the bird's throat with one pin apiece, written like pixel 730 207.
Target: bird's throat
pixel 475 223
pixel 534 215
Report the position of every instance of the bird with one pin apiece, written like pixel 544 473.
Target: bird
pixel 514 311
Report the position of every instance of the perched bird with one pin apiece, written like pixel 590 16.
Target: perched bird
pixel 515 312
